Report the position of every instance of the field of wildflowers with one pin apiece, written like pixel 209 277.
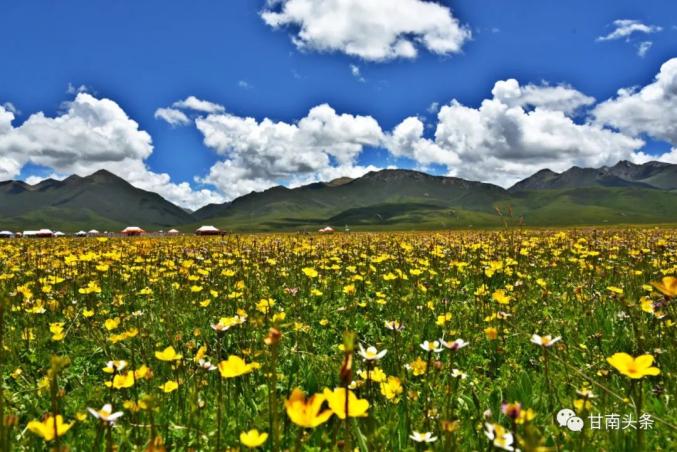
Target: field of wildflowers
pixel 529 340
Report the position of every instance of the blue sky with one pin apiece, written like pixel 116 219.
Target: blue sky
pixel 148 55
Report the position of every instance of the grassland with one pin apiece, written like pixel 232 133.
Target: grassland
pixel 195 342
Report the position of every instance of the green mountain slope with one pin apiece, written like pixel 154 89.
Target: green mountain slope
pixel 369 200
pixel 101 200
pixel 400 199
pixel 656 175
pixel 380 200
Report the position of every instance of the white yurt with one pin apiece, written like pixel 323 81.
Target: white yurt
pixel 132 231
pixel 207 230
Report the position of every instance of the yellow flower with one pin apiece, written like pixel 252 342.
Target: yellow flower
pixel 168 354
pixel 391 388
pixel 614 289
pixel 122 381
pixel 56 329
pixel 264 305
pixel 582 405
pixel 309 272
pixel 169 386
pixel 141 372
pixel 112 324
pixel 46 429
pixel 306 412
pixel 418 367
pixel 491 333
pixel 236 366
pixel 634 368
pixel 646 304
pixel 253 439
pixel 376 375
pixel 201 352
pixel 279 317
pixel 443 319
pixel 501 297
pixel 527 415
pixel 337 403
pixel 667 286
pixel 349 289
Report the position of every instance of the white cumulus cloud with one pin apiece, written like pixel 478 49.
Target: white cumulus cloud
pixel 518 131
pixel 172 116
pixel 260 154
pixel 375 30
pixel 193 103
pixel 651 109
pixel 643 48
pixel 624 28
pixel 91 134
pixel 562 97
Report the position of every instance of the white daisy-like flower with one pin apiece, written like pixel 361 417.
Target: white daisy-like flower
pixel 454 345
pixel 206 365
pixel 394 325
pixel 115 366
pixel 426 437
pixel 431 346
pixel 458 374
pixel 544 341
pixel 371 353
pixel 500 436
pixel 105 414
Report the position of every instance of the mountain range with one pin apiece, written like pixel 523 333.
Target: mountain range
pixel 387 199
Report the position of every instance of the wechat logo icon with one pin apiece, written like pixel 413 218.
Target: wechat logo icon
pixel 567 418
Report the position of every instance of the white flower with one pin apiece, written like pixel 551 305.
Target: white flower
pixel 106 414
pixel 371 353
pixel 454 345
pixel 500 436
pixel 115 366
pixel 544 341
pixel 433 346
pixel 426 437
pixel 458 374
pixel 206 365
pixel 394 325
pixel 226 323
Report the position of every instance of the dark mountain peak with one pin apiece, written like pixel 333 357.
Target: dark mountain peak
pixel 625 164
pixel 655 164
pixel 314 186
pixel 14 186
pixel 390 173
pixel 577 170
pixel 104 176
pixel 623 174
pixel 100 200
pixel 339 181
pixel 46 184
pixel 72 178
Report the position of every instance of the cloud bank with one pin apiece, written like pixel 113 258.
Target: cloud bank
pixel 375 30
pixel 89 135
pixel 517 130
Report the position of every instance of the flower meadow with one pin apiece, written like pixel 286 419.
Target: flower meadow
pixel 452 341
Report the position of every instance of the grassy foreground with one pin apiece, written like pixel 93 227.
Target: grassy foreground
pixel 442 341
